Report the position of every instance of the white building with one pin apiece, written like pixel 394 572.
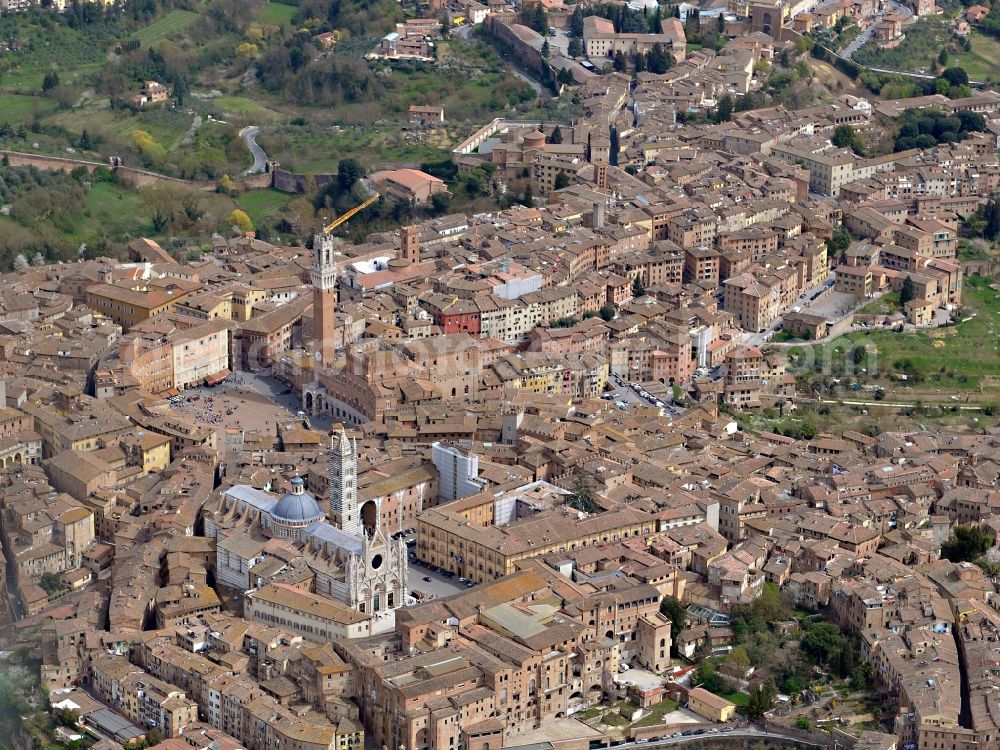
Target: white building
pixel 458 472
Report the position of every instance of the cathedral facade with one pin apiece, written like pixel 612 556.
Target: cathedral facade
pixel 352 558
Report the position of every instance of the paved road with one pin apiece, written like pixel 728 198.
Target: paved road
pixel 896 404
pixel 865 36
pixel 741 733
pixel 249 136
pixel 761 337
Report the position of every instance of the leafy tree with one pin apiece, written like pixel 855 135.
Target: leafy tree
pixel 575 47
pixel 20 262
pixel 724 109
pixel 84 141
pixel 440 203
pixel 607 313
pixel 582 497
pixel 803 723
pixel 533 16
pixel 970 121
pixel 823 641
pixel 241 219
pixel 844 137
pixel 576 22
pixel 638 290
pixel 349 171
pixel 615 146
pixel 760 700
pixel 529 197
pixel 793 684
pixel 908 291
pixel 707 676
pixel 991 213
pixel 620 64
pixel 181 90
pixel 956 76
pixel 943 56
pixel 658 60
pixel 50 81
pixel 51 583
pixel 556 136
pixel 546 49
pixel 738 661
pixel 151 151
pixel 967 543
pixel 673 610
pixel 561 181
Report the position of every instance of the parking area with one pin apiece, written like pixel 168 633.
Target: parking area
pixel 641 678
pixel 433 585
pixel 556 730
pixel 832 305
pixel 624 395
pixel 682 716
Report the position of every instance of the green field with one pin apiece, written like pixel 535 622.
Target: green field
pixel 171 25
pixel 955 358
pixel 887 304
pixel 310 149
pixel 275 14
pixel 242 106
pixel 263 205
pixel 112 210
pixel 166 126
pixel 18 109
pixel 983 62
pixel 740 699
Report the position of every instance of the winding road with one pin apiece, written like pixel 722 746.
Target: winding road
pixel 249 136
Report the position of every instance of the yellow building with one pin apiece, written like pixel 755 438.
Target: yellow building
pixel 149 450
pixel 243 301
pixel 127 307
pixel 710 705
pixel 481 538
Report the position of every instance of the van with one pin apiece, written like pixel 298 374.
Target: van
pixel 621 405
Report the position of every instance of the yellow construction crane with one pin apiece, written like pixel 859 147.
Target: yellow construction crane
pixel 350 214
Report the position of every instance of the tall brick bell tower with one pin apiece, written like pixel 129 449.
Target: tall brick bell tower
pixel 324 280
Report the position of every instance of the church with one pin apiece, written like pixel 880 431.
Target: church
pixel 351 557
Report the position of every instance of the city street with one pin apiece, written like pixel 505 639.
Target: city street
pixel 762 337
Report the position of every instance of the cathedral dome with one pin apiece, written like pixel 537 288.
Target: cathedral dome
pixel 297 507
